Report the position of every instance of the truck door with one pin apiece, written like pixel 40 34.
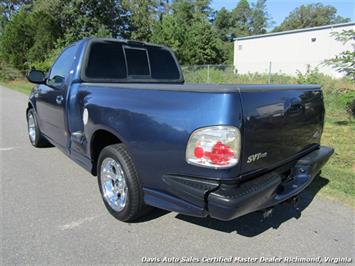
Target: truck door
pixel 51 98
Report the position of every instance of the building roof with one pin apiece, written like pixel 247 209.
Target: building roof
pixel 295 31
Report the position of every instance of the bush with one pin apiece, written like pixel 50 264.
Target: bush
pixel 8 73
pixel 338 104
pixel 350 108
pixel 311 76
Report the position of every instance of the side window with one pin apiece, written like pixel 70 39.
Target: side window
pixel 61 67
pixel 106 61
pixel 162 64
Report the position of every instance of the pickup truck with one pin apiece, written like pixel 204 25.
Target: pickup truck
pixel 121 110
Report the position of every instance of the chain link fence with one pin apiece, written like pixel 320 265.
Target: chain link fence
pixel 208 73
pixel 268 72
pixel 222 74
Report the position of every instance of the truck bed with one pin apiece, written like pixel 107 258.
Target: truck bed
pixel 277 122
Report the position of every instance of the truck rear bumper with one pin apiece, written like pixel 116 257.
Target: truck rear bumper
pixel 231 201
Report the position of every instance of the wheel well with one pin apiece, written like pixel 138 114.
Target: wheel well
pixel 100 140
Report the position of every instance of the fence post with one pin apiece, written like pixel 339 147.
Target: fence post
pixel 270 64
pixel 208 73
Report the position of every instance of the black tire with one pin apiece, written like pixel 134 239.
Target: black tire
pixel 39 141
pixel 134 205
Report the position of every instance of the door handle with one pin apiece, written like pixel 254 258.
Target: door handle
pixel 36 92
pixel 294 106
pixel 59 99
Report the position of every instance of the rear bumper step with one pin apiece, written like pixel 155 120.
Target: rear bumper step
pixel 231 201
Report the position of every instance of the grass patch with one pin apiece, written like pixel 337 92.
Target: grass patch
pixel 338 132
pixel 339 129
pixel 18 85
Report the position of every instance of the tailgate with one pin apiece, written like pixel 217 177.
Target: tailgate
pixel 279 123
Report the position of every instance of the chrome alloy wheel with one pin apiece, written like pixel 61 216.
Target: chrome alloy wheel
pixel 113 184
pixel 31 127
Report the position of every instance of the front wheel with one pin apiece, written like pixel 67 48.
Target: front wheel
pixel 34 133
pixel 119 183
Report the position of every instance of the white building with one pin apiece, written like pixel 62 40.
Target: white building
pixel 290 51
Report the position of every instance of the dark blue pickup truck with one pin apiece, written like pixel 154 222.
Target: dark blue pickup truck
pixel 122 111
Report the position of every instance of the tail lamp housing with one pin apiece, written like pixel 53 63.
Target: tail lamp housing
pixel 214 147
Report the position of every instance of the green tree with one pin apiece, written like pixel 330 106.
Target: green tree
pixel 202 45
pixel 241 19
pixel 222 23
pixel 2 24
pixel 164 7
pixel 44 37
pixel 165 32
pixel 142 15
pixel 311 15
pixel 16 40
pixel 171 28
pixel 9 7
pixel 345 61
pixel 259 17
pixel 187 30
pixel 80 19
pixel 23 41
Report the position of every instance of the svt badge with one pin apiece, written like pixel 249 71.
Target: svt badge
pixel 256 156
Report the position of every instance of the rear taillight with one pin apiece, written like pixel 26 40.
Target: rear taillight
pixel 214 147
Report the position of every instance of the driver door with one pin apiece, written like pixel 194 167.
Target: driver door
pixel 51 99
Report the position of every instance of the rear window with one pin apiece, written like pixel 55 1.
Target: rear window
pixel 114 61
pixel 137 62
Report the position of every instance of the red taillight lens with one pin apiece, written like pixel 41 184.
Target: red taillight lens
pixel 214 147
pixel 221 154
pixel 198 152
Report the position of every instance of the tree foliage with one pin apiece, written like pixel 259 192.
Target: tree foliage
pixel 141 17
pixel 259 18
pixel 23 41
pixel 9 7
pixel 78 19
pixel 243 20
pixel 345 61
pixel 222 23
pixel 186 29
pixel 33 32
pixel 311 15
pixel 202 45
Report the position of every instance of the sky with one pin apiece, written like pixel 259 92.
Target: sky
pixel 279 9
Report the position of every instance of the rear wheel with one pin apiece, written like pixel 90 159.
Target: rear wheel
pixel 119 183
pixel 34 133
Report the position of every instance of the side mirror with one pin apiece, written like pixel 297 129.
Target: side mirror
pixel 36 76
